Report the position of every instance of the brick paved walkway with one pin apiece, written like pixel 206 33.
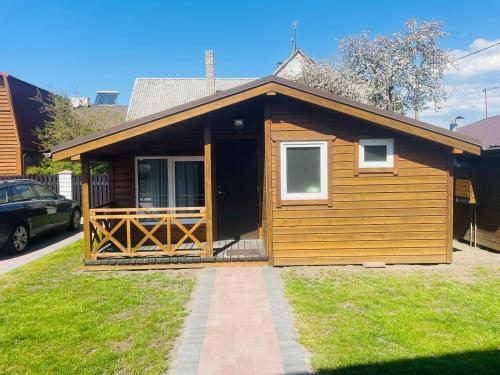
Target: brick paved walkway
pixel 247 326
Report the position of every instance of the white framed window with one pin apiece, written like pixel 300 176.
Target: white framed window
pixel 304 170
pixel 376 153
pixel 170 181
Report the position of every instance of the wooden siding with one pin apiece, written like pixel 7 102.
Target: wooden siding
pixel 10 153
pixel 396 217
pixel 124 182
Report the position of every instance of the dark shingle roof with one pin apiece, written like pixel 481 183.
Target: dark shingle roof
pixel 27 110
pixel 486 130
pixel 260 82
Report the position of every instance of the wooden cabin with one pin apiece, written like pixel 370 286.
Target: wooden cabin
pixel 20 115
pixel 477 187
pixel 272 172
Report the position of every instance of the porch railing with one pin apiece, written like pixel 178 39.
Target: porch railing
pixel 109 239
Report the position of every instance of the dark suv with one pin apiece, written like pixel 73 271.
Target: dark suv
pixel 28 208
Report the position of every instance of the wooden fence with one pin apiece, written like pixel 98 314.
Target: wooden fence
pixel 99 189
pixel 49 180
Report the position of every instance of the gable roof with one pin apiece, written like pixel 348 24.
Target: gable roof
pixel 152 95
pixel 288 67
pixel 26 109
pixel 486 130
pixel 261 87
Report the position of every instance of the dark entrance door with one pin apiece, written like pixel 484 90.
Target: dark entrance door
pixel 236 184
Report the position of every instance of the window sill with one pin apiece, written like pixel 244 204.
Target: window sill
pixel 391 171
pixel 305 202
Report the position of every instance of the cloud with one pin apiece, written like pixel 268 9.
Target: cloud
pixel 465 86
pixel 483 63
pixel 464 99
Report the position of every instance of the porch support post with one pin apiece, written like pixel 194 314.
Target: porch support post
pixel 86 207
pixel 207 135
pixel 268 188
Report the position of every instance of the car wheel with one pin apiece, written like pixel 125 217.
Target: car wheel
pixel 74 222
pixel 18 239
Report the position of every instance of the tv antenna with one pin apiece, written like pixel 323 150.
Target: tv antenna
pixel 294 35
pixel 485 90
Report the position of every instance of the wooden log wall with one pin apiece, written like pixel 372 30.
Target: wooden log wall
pixel 10 153
pixel 397 217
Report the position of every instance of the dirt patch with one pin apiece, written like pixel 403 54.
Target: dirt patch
pixel 121 346
pixel 467 263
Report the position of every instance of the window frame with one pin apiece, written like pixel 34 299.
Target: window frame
pixel 388 142
pixel 324 172
pixel 171 160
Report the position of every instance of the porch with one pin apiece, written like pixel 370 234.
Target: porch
pixel 191 195
pixel 114 240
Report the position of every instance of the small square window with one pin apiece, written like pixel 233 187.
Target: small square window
pixel 376 153
pixel 304 170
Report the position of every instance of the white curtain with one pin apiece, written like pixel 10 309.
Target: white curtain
pixel 152 182
pixel 303 169
pixel 189 184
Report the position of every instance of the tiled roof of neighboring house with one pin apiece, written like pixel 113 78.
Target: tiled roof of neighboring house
pixel 152 95
pixel 486 130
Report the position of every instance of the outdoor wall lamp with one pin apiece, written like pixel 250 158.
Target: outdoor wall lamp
pixel 238 124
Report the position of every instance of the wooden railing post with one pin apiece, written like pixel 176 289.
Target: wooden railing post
pixel 169 236
pixel 129 235
pixel 208 188
pixel 87 241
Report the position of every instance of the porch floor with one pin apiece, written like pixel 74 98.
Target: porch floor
pixel 223 251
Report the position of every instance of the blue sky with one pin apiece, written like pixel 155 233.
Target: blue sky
pixel 84 46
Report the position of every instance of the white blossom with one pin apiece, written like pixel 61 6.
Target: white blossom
pixel 401 72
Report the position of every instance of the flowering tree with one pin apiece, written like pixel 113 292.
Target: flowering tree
pixel 401 72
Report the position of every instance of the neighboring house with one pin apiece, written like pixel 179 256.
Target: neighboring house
pixel 297 175
pixel 19 116
pixel 292 66
pixel 477 189
pixel 152 95
pixel 106 104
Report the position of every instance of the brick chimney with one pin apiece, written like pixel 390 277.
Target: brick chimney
pixel 209 71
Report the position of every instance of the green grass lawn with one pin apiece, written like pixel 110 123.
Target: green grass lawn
pixel 370 322
pixel 55 318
